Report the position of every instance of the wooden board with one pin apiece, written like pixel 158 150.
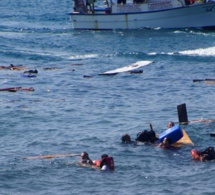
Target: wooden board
pixel 208 81
pixel 202 121
pixel 185 140
pixel 51 156
pixel 128 68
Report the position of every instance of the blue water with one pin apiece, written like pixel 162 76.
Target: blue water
pixel 68 113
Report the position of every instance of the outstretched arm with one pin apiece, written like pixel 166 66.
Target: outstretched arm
pixel 151 128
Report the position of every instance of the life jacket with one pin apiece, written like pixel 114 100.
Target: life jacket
pixel 109 162
pixel 97 162
pixel 196 154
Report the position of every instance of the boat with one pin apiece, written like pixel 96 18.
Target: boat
pixel 138 14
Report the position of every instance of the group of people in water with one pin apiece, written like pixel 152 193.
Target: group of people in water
pixel 107 163
pixel 149 137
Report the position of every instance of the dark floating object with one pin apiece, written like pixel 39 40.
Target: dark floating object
pixel 12 90
pixel 108 74
pixel 51 68
pixel 212 134
pixel 203 80
pixel 135 71
pixel 87 76
pixel 15 89
pixel 183 118
pixel 31 72
pixel 77 64
pixel 182 113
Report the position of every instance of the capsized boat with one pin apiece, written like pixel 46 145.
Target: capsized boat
pixel 137 14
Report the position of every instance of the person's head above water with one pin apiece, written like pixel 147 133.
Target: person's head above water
pixel 85 158
pixel 126 138
pixel 85 155
pixel 104 156
pixel 170 124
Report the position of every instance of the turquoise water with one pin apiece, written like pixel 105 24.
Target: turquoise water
pixel 68 113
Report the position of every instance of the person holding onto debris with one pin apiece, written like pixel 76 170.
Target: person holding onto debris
pixel 166 143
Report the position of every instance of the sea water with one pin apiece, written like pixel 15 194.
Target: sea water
pixel 70 113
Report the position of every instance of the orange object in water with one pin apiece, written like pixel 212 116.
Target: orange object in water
pixel 196 154
pixel 97 163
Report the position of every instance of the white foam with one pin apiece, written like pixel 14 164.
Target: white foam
pixel 210 51
pixel 86 56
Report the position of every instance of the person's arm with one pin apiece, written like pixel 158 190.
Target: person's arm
pixel 151 128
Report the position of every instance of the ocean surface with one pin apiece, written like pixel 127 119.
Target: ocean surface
pixel 70 113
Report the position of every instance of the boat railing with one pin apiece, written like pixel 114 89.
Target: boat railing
pixel 123 6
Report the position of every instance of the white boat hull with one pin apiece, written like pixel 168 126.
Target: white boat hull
pixel 193 16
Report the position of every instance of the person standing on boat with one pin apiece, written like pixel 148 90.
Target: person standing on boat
pixel 90 4
pixel 80 6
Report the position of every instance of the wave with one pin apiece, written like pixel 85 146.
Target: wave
pixel 202 52
pixel 210 51
pixel 84 56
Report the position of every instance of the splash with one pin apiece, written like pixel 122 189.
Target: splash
pixel 210 51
